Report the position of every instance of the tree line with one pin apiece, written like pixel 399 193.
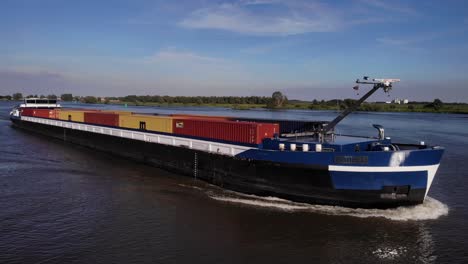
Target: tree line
pixel 277 100
pixel 20 96
pixel 193 99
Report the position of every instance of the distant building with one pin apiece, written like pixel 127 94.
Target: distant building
pixel 388 102
pixel 405 101
pixel 397 101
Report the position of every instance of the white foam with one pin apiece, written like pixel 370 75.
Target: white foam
pixel 430 209
pixel 389 253
pixel 190 186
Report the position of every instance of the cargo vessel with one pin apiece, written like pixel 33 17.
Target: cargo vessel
pixel 304 161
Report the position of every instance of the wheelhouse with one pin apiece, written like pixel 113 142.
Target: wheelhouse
pixel 40 103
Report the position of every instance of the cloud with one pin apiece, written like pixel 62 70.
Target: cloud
pixel 167 71
pixel 28 74
pixel 396 41
pixel 262 49
pixel 178 64
pixel 190 73
pixel 265 18
pixel 184 69
pixel 31 81
pixel 294 17
pixel 172 55
pixel 421 37
pixel 392 6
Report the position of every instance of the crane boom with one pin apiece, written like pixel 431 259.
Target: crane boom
pixel 385 84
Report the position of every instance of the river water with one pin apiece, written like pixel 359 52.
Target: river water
pixel 61 203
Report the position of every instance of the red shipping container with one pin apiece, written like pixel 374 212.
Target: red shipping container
pixel 41 113
pixel 101 118
pixel 83 109
pixel 27 111
pixel 242 132
pixel 217 118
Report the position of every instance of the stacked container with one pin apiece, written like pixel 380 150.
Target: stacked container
pixel 42 113
pixel 289 126
pixel 71 115
pixel 117 112
pixel 102 118
pixel 231 131
pixel 201 117
pixel 147 122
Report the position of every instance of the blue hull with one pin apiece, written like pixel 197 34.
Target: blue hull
pixel 377 179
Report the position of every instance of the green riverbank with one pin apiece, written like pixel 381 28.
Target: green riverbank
pixel 453 108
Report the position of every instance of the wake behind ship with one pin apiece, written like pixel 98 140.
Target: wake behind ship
pixel 303 161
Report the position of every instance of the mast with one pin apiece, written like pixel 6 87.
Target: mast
pixel 385 84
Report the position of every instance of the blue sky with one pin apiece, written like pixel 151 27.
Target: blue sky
pixel 306 49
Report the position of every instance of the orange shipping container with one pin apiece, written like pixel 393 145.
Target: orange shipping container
pixel 117 112
pixel 71 115
pixel 147 122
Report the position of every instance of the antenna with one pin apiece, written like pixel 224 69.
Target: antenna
pixel 386 84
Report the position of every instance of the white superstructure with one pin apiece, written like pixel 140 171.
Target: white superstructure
pixel 40 103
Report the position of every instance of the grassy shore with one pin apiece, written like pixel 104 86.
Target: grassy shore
pixel 367 107
pixel 232 106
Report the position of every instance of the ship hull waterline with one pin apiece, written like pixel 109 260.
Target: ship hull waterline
pixel 309 184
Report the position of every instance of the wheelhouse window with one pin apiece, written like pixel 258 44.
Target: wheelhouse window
pixel 41 101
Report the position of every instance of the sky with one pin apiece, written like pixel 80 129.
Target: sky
pixel 305 49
